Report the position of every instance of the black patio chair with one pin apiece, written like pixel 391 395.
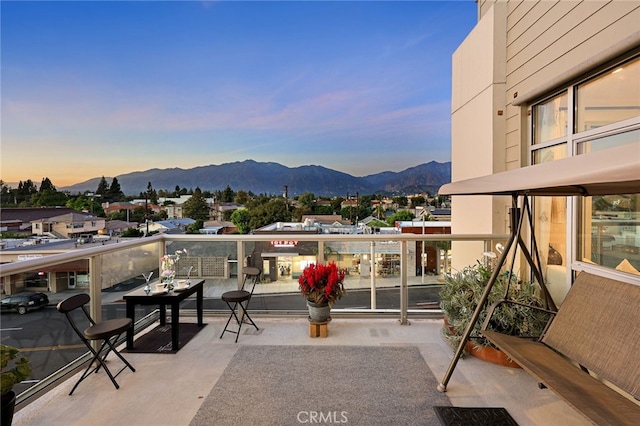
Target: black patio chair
pixel 241 298
pixel 106 331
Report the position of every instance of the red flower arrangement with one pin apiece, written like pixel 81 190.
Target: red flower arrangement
pixel 322 283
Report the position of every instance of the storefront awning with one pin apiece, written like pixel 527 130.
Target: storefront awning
pixel 611 171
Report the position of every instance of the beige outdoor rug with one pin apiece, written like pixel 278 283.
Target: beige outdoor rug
pixel 293 385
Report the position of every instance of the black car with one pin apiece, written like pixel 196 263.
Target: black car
pixel 23 302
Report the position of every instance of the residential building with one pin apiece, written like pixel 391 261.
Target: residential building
pixel 536 82
pixel 19 219
pixel 169 226
pixel 350 203
pixel 176 206
pixel 69 225
pixel 219 227
pixel 221 209
pixel 110 208
pixel 326 219
pixel 174 211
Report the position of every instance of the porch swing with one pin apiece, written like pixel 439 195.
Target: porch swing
pixel 519 215
pixel 611 171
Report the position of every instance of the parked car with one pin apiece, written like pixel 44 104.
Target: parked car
pixel 85 239
pixel 23 302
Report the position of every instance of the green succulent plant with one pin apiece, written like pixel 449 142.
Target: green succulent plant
pixel 14 368
pixel 460 296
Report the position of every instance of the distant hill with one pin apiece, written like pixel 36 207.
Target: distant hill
pixel 271 178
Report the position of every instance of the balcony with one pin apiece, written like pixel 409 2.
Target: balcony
pixel 169 389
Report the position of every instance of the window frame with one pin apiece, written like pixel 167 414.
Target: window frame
pixel 575 209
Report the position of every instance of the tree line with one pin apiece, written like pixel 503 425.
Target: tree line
pixel 257 210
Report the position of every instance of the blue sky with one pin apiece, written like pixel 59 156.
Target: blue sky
pixel 95 89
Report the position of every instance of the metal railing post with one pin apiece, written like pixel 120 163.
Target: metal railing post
pixel 95 287
pixel 320 251
pixel 404 289
pixel 372 275
pixel 241 265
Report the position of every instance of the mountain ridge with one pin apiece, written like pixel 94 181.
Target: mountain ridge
pixel 271 178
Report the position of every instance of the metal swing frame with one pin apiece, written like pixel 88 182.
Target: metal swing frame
pixel 515 241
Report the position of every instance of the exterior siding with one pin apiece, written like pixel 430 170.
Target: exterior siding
pixel 517 10
pixel 553 50
pixel 545 46
pixel 527 33
pixel 515 132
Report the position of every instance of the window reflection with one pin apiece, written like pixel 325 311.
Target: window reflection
pixel 609 142
pixel 550 119
pixel 549 154
pixel 614 96
pixel 610 234
pixel 551 229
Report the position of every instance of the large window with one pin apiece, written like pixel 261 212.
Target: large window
pixel 597 113
pixel 612 97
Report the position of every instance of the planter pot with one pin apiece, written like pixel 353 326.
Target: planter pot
pixel 448 326
pixel 319 312
pixel 489 354
pixel 8 406
pixel 485 353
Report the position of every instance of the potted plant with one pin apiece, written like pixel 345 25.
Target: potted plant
pixel 322 286
pixel 14 370
pixel 460 296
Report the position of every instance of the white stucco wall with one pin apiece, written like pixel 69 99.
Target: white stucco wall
pixel 478 130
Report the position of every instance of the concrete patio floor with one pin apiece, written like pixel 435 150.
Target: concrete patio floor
pixel 168 389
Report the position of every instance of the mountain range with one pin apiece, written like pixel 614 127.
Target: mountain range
pixel 271 178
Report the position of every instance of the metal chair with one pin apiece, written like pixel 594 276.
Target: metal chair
pixel 106 331
pixel 239 297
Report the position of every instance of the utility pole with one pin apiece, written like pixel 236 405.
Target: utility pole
pixel 286 197
pixel 357 207
pixel 146 212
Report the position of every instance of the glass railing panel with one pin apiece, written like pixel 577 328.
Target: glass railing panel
pixel 122 270
pixel 374 279
pixel 44 335
pixel 205 259
pixel 31 323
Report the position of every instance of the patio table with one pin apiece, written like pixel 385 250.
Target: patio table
pixel 172 298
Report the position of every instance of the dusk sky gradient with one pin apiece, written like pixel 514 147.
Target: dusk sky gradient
pixel 94 89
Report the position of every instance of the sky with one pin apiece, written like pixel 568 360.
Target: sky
pixel 91 89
